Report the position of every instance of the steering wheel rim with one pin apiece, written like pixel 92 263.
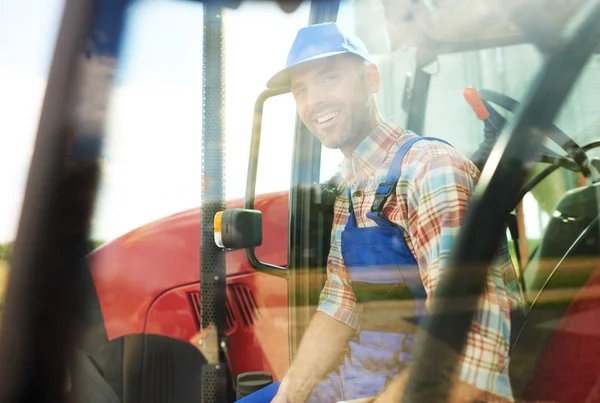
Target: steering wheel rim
pixel 563 140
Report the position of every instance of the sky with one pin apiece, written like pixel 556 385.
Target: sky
pixel 153 122
pixel 27 35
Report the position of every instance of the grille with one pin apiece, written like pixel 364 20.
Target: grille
pixel 246 304
pixel 194 299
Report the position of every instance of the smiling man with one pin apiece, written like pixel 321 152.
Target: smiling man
pixel 339 123
pixel 395 223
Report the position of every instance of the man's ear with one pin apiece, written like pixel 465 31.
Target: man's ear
pixel 373 79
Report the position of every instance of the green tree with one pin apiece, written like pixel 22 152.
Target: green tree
pixel 93 244
pixel 6 250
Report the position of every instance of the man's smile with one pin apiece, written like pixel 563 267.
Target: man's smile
pixel 326 118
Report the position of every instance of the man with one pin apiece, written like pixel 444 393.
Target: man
pixel 394 227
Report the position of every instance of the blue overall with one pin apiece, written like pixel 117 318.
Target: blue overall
pixel 381 268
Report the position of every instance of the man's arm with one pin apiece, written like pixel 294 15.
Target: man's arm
pixel 321 346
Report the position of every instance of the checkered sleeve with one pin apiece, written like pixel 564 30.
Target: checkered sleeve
pixel 337 298
pixel 440 182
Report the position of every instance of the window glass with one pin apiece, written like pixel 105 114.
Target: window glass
pixel 153 133
pixel 255 52
pixel 26 44
pixel 153 146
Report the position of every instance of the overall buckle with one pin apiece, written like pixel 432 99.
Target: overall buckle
pixel 384 191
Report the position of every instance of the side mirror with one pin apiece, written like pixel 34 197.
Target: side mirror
pixel 238 228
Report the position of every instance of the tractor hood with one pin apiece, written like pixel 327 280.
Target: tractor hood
pixel 130 272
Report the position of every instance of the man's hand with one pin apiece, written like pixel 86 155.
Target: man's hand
pixel 321 346
pixel 280 397
pixel 393 393
pixel 291 392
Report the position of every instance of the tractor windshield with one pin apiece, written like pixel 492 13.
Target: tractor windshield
pixel 136 103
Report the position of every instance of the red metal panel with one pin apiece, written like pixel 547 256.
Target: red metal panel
pixel 569 367
pixel 144 280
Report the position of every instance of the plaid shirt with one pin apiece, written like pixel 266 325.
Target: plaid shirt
pixel 431 198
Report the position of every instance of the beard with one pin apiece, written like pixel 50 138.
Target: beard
pixel 353 126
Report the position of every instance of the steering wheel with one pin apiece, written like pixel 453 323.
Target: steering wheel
pixel 494 123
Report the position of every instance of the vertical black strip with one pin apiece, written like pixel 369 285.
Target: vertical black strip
pixel 213 160
pixel 212 258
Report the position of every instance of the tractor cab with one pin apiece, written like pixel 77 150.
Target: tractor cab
pixel 214 202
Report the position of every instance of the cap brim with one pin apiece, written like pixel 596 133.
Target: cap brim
pixel 282 79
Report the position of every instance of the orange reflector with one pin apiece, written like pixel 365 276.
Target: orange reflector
pixel 217 231
pixel 474 100
pixel 217 222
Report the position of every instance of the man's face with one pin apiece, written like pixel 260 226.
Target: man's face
pixel 333 98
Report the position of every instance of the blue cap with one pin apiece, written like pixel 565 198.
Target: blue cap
pixel 315 42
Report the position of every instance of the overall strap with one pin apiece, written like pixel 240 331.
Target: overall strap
pixel 352 218
pixel 387 188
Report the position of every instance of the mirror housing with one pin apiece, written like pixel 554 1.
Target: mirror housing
pixel 238 228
